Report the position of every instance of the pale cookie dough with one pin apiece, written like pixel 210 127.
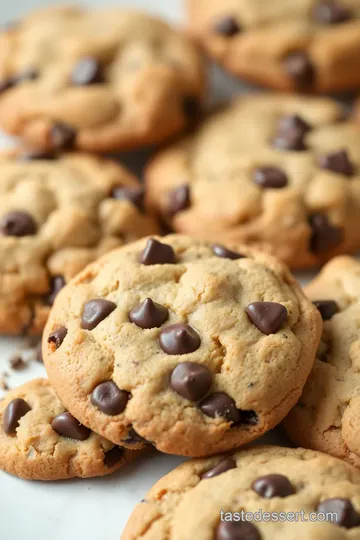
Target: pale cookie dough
pixel 327 417
pixel 57 214
pixel 98 80
pixel 192 347
pixel 297 45
pixel 40 440
pixel 279 172
pixel 186 503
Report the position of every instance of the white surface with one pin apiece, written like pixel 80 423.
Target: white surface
pixel 83 509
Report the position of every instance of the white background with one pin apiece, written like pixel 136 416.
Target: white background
pixel 83 509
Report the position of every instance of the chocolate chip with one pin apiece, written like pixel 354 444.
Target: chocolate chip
pixel 337 162
pixel 273 485
pixel 300 68
pixel 224 465
pixel 294 122
pixel 96 311
pixel 16 409
pixel 191 381
pixel 56 284
pixel 346 515
pixel 325 236
pixel 224 253
pixel 109 398
pixel 220 404
pixel 67 426
pixel 327 308
pixel 62 136
pixel 113 456
pixel 58 336
pixel 191 108
pixel 36 156
pixel 179 199
pixel 331 12
pixel 268 317
pixel 157 253
pixel 134 194
pixel 149 314
pixel 179 339
pixel 291 132
pixel 17 363
pixel 87 71
pixel 270 177
pixel 133 438
pixel 248 418
pixel 227 26
pixel 18 224
pixel 236 530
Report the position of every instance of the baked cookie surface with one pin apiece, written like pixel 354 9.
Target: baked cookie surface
pixel 187 502
pixel 192 347
pixel 40 440
pixel 305 45
pixel 97 80
pixel 56 216
pixel 327 417
pixel 278 172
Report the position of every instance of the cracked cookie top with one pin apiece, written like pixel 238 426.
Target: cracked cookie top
pixel 41 440
pixel 327 417
pixel 195 500
pixel 275 171
pixel 97 80
pixel 57 214
pixel 302 45
pixel 192 347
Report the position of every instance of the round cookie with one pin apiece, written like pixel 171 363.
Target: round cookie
pixel 303 45
pixel 111 79
pixel 192 347
pixel 195 499
pixel 278 172
pixel 56 216
pixel 40 440
pixel 327 417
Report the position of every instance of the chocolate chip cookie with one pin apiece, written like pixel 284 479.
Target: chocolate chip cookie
pixel 57 214
pixel 195 500
pixel 97 80
pixel 302 45
pixel 278 172
pixel 327 416
pixel 192 347
pixel 41 440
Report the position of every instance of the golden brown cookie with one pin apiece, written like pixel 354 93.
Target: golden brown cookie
pixel 279 172
pixel 327 417
pixel 271 492
pixel 194 348
pixel 40 440
pixel 57 214
pixel 97 80
pixel 292 45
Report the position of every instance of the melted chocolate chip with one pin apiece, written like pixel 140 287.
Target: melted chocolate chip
pixel 57 336
pixel 179 200
pixel 273 485
pixel 331 12
pixel 220 404
pixel 224 253
pixel 113 456
pixel 327 308
pixel 227 26
pixel 18 224
pixel 134 194
pixel 325 236
pixel 268 317
pixel 236 530
pixel 223 466
pixel 248 418
pixel 337 162
pixel 62 136
pixel 133 438
pixel 16 409
pixel 299 67
pixel 96 311
pixel 179 339
pixel 67 426
pixel 56 284
pixel 149 314
pixel 191 381
pixel 109 398
pixel 87 71
pixel 346 515
pixel 156 252
pixel 270 177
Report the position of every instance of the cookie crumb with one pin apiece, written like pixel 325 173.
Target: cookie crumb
pixel 17 363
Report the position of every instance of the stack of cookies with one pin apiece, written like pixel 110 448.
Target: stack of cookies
pixel 201 341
